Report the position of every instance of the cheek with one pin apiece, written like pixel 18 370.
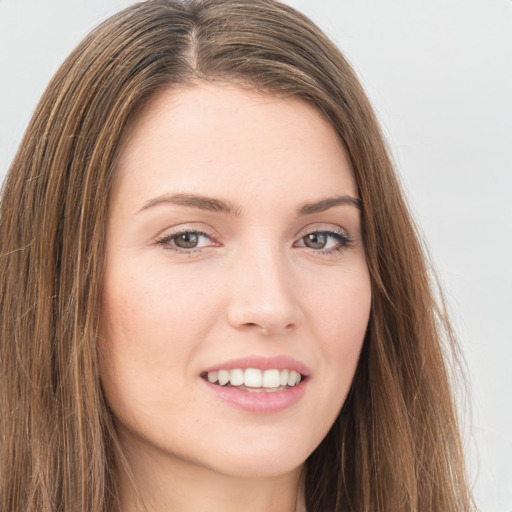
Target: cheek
pixel 340 309
pixel 150 328
pixel 339 316
pixel 151 306
pixel 135 336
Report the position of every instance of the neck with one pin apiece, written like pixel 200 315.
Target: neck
pixel 161 483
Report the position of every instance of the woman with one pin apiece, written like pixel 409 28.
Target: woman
pixel 223 300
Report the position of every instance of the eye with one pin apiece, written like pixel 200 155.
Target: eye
pixel 324 241
pixel 189 240
pixel 185 241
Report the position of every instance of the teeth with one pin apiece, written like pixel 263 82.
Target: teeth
pixel 255 378
pixel 223 376
pixel 293 378
pixel 236 377
pixel 271 379
pixel 252 378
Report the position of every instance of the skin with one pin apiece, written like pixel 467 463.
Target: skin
pixel 253 286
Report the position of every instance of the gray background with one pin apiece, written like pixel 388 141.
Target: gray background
pixel 440 76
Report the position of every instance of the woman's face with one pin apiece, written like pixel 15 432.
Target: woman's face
pixel 234 252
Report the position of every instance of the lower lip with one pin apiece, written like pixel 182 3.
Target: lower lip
pixel 259 402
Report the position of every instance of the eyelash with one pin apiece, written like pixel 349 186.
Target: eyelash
pixel 341 237
pixel 343 241
pixel 166 241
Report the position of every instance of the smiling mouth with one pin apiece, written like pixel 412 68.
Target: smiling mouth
pixel 255 380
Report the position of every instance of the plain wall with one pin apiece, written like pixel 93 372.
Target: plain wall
pixel 439 74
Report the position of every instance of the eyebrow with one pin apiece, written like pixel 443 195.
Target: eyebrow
pixel 329 202
pixel 195 201
pixel 222 206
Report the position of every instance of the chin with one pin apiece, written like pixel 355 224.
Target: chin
pixel 268 466
pixel 263 458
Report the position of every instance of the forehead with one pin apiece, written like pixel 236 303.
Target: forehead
pixel 217 138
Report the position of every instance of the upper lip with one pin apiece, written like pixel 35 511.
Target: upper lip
pixel 280 362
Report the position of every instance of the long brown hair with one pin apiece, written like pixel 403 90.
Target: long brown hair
pixel 395 445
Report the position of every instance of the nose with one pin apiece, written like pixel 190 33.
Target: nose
pixel 263 295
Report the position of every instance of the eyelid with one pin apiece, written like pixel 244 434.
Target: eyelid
pixel 323 228
pixel 165 237
pixel 188 227
pixel 344 240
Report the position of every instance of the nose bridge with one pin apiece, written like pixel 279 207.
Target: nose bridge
pixel 263 295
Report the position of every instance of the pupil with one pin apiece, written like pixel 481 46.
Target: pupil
pixel 187 240
pixel 316 240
